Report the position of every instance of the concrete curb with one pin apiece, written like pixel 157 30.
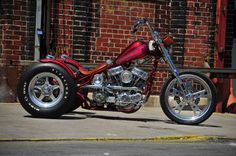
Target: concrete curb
pixel 187 138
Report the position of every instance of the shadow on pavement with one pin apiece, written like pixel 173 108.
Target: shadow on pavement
pixel 82 113
pixel 86 115
pixel 93 115
pixel 200 125
pixel 123 118
pixel 59 118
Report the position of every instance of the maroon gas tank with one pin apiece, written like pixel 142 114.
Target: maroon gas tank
pixel 135 50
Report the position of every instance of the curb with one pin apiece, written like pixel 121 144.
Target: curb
pixel 190 138
pixel 225 114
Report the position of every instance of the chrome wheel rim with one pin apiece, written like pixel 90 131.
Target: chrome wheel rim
pixel 193 105
pixel 46 90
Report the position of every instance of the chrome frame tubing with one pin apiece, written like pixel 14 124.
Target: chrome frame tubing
pixel 173 68
pixel 155 37
pixel 167 57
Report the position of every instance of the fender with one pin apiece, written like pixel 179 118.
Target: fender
pixel 61 64
pixel 85 71
pixel 73 62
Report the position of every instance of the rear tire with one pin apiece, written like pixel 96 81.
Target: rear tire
pixel 77 101
pixel 46 90
pixel 194 109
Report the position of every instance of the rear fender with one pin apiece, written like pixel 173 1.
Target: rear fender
pixel 73 62
pixel 61 64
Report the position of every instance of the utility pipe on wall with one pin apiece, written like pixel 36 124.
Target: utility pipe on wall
pixel 38 29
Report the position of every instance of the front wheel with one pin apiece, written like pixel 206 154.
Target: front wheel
pixel 46 90
pixel 193 106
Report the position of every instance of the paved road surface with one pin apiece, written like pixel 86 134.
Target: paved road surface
pixel 117 148
pixel 148 122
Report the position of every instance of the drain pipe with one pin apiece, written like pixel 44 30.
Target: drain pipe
pixel 38 29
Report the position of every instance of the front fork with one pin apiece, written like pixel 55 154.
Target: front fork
pixel 173 68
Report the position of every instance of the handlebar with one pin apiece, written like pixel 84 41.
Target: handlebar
pixel 140 22
pixel 158 41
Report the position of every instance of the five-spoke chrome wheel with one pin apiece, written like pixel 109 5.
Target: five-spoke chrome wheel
pixel 46 89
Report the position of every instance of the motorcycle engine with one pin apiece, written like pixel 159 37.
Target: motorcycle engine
pixel 128 78
pixel 122 87
pixel 99 95
pixel 119 75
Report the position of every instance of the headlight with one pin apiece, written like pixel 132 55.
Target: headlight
pixel 150 45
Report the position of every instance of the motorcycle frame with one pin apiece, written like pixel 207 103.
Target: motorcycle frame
pixel 62 62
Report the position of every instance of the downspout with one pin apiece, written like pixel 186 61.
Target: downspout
pixel 38 29
pixel 47 25
pixel 42 28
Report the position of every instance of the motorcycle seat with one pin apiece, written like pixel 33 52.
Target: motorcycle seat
pixel 95 70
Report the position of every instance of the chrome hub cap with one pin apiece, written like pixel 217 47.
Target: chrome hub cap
pixel 46 90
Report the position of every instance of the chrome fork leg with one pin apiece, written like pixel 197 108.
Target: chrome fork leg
pixel 173 68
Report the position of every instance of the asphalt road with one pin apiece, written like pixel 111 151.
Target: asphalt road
pixel 117 148
pixel 16 123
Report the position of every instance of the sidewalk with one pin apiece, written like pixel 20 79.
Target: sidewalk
pixel 149 122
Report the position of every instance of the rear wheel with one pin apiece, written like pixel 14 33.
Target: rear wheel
pixel 77 101
pixel 46 90
pixel 192 107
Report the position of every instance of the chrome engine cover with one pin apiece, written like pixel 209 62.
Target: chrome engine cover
pixel 126 76
pixel 124 99
pixel 119 87
pixel 140 73
pixel 98 79
pixel 115 71
pixel 99 97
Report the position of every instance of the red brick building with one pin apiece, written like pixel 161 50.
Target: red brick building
pixel 96 30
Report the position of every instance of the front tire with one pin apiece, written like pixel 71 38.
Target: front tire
pixel 46 90
pixel 192 108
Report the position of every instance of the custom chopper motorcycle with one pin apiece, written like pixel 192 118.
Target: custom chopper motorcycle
pixel 56 86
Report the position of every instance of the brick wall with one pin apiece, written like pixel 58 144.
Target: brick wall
pixel 85 29
pixel 199 35
pixel 116 20
pixel 61 26
pixel 97 30
pixel 16 42
pixel 178 29
pixel 17 31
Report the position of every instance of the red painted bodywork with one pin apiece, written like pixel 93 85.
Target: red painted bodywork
pixel 168 40
pixel 135 50
pixel 61 64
